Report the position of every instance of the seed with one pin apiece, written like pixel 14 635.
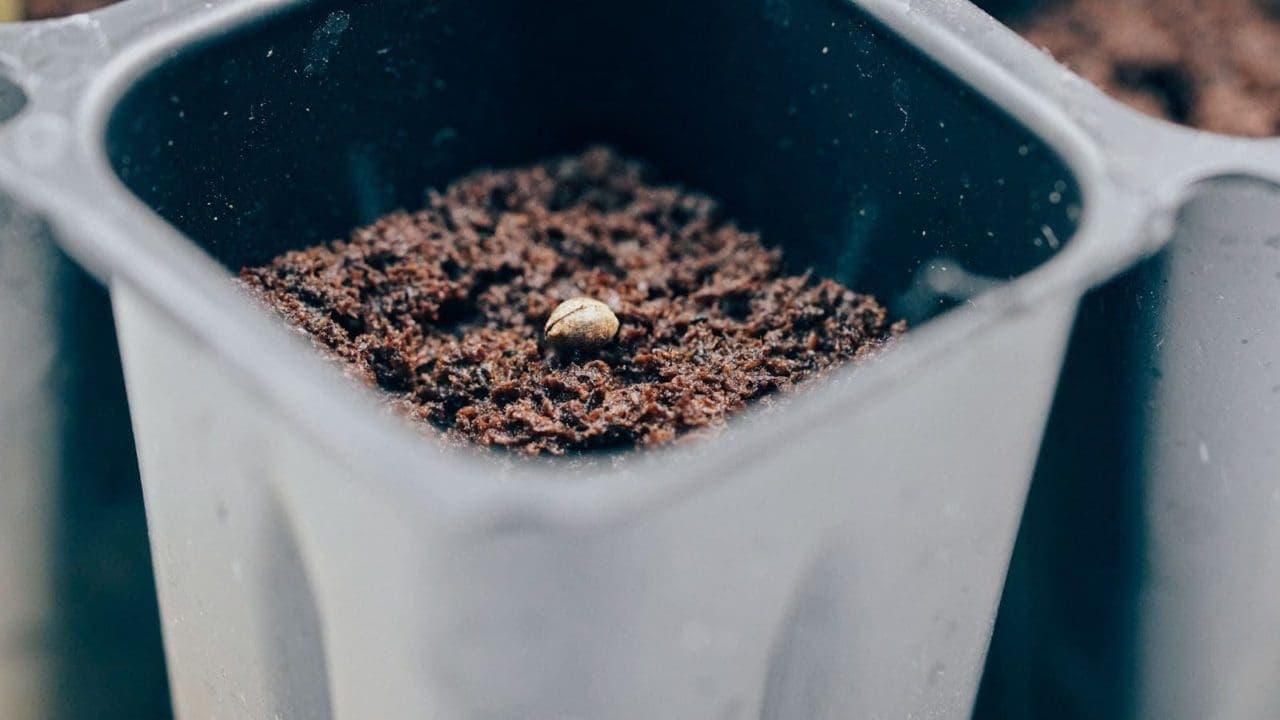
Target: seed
pixel 581 324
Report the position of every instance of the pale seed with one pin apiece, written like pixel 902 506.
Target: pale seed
pixel 581 323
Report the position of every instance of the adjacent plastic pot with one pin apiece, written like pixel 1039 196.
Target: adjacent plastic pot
pixel 78 624
pixel 1144 579
pixel 1143 583
pixel 27 459
pixel 841 556
pixel 1211 461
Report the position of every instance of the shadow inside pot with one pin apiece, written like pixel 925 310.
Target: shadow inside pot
pixel 809 122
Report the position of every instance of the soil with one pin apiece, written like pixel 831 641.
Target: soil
pixel 44 9
pixel 443 309
pixel 1211 64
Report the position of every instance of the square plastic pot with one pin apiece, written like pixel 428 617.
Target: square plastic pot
pixel 841 556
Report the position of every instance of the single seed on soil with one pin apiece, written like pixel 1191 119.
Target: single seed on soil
pixel 581 323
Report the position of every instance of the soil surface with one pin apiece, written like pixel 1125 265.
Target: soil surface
pixel 443 309
pixel 44 9
pixel 1211 64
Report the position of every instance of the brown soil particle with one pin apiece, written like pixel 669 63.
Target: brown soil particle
pixel 443 309
pixel 1211 64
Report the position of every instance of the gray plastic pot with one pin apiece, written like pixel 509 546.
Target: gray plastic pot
pixel 78 621
pixel 27 500
pixel 1142 585
pixel 1211 461
pixel 841 556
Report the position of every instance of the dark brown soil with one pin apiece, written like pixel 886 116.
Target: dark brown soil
pixel 44 9
pixel 1211 64
pixel 443 309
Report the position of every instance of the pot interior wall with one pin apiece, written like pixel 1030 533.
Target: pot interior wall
pixel 812 124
